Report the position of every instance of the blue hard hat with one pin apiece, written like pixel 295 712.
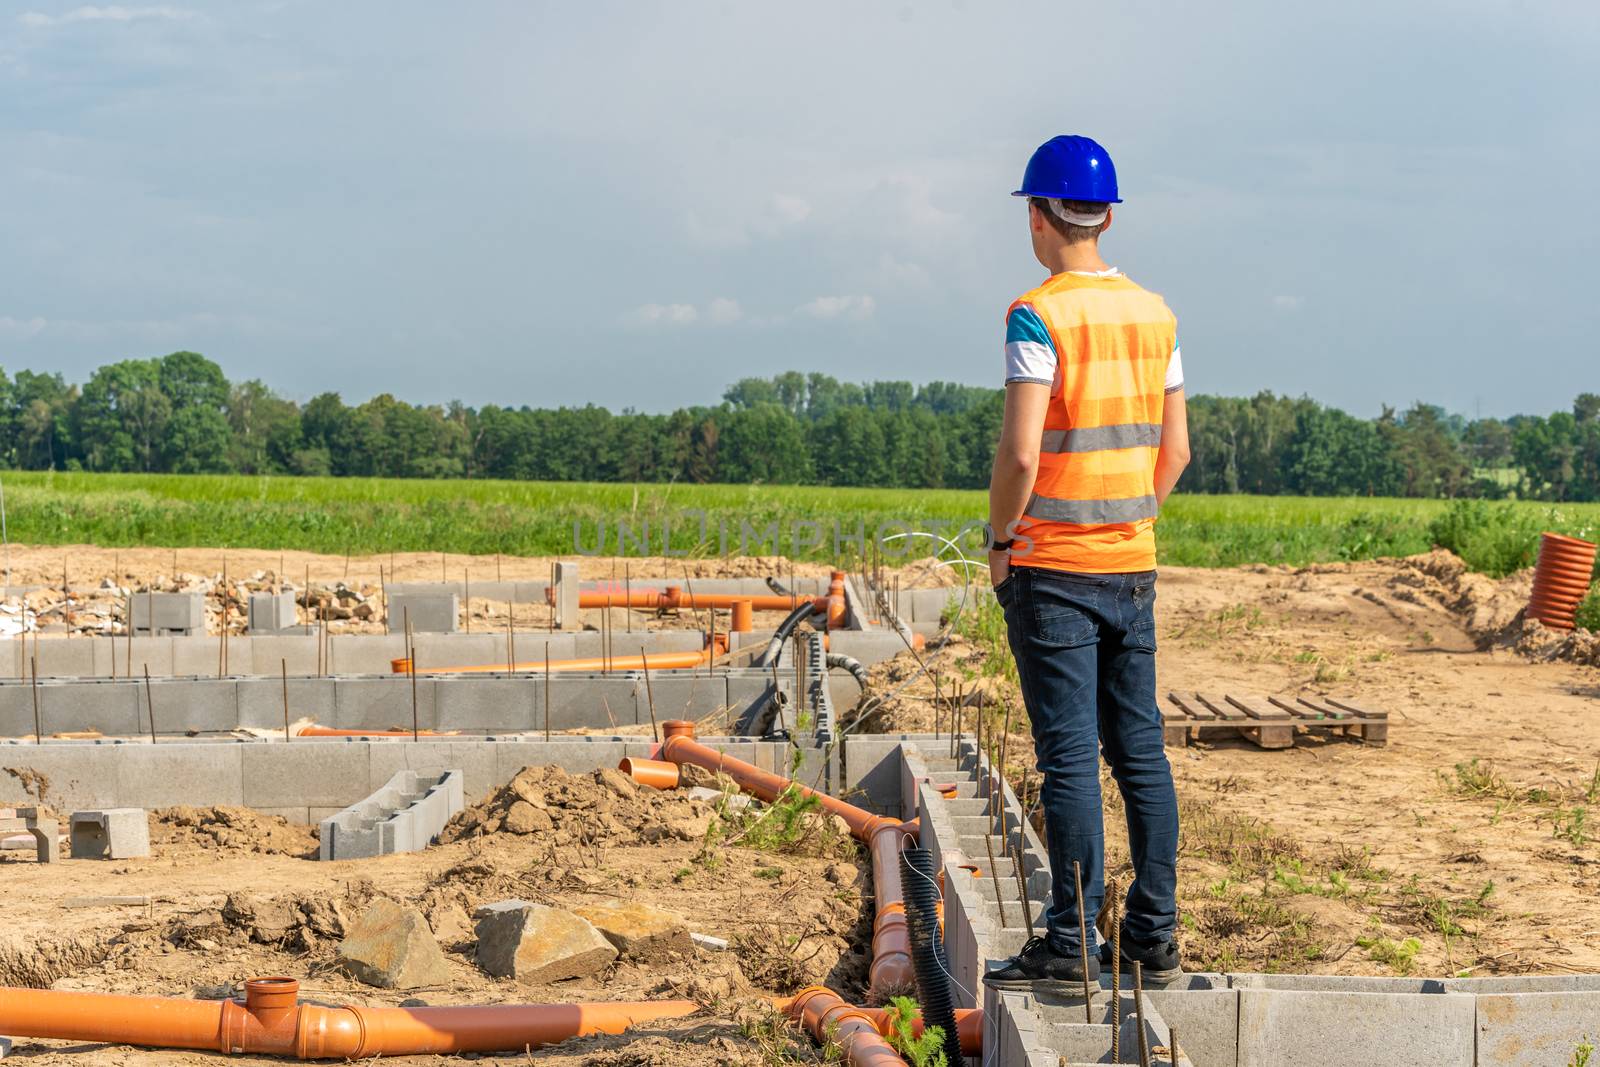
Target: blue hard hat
pixel 1071 168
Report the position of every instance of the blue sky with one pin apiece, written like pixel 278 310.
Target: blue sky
pixel 635 204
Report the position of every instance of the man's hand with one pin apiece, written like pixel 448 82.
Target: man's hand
pixel 999 565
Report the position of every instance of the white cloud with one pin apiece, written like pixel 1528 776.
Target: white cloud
pixel 662 315
pixel 734 225
pixel 853 308
pixel 1288 303
pixel 21 329
pixel 110 13
pixel 718 311
pixel 790 209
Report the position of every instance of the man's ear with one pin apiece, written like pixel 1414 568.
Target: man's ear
pixel 1035 218
pixel 1108 220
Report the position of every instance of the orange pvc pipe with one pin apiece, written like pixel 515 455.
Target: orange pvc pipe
pixel 664 661
pixel 828 1018
pixel 313 730
pixel 673 598
pixel 681 747
pixel 271 1021
pixel 891 972
pixel 743 617
pixel 969 1027
pixel 657 774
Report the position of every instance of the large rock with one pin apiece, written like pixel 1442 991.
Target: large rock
pixel 538 944
pixel 391 947
pixel 638 931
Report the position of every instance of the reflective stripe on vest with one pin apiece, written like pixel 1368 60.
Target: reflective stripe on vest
pixel 1091 512
pixel 1102 438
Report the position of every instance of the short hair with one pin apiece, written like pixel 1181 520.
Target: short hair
pixel 1073 234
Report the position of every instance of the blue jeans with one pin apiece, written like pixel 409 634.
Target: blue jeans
pixel 1085 646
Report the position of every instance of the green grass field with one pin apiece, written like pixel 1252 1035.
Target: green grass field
pixel 368 515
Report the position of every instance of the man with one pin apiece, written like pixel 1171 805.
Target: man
pixel 1094 439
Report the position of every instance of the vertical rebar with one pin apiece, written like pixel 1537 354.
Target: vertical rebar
pixel 1116 974
pixel 511 637
pixel 305 598
pixel 466 597
pixel 130 632
pixel 38 723
pixel 1022 889
pixel 1083 941
pixel 1138 1010
pixel 411 669
pixel 994 870
pixel 955 734
pixel 650 694
pixel 1022 804
pixel 1172 1046
pixel 283 667
pixel 547 690
pixel 149 704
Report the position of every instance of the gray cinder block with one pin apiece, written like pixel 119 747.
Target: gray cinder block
pixel 1535 1028
pixel 406 815
pixel 110 834
pixel 565 592
pixel 272 613
pixel 168 613
pixel 1287 1028
pixel 425 613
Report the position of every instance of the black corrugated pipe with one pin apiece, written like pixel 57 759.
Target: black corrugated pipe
pixel 785 628
pixel 851 664
pixel 927 948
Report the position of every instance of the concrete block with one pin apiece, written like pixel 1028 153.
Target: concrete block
pixel 1207 1020
pixel 203 705
pixel 199 657
pixel 425 613
pixel 873 769
pixel 501 592
pixel 1284 1028
pixel 533 646
pixel 16 709
pixel 476 760
pixel 165 774
pixel 261 701
pixel 111 656
pixel 592 702
pixel 272 613
pixel 271 655
pixel 1535 1028
pixel 382 703
pixel 405 815
pixel 65 657
pixel 113 708
pixel 868 646
pixel 304 772
pixel 530 592
pixel 110 833
pixel 458 650
pixel 366 653
pixel 80 775
pixel 682 696
pixel 566 597
pixel 168 613
pixel 486 702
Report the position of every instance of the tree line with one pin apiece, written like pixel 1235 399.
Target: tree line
pixel 179 413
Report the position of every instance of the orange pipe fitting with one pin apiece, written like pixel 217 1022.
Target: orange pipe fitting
pixel 677 728
pixel 1561 580
pixel 836 607
pixel 743 617
pixel 657 774
pixel 272 1021
pixel 680 747
pixel 891 972
pixel 827 1017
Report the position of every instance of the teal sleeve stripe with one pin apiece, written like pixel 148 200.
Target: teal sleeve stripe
pixel 1025 325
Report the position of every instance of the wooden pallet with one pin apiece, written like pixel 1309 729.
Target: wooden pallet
pixel 1270 722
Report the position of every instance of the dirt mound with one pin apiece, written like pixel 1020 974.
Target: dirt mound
pixel 298 922
pixel 603 807
pixel 231 830
pixel 37 964
pixel 1492 611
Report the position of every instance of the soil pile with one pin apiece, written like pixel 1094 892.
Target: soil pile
pixel 1492 611
pixel 231 830
pixel 604 807
pixel 300 922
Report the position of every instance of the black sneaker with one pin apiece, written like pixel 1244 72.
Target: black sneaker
pixel 1159 963
pixel 1038 965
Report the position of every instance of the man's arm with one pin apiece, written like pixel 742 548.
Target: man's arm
pixel 1016 464
pixel 1173 455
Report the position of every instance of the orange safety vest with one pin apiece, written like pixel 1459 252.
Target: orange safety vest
pixel 1093 507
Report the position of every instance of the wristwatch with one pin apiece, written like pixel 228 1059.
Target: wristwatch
pixel 1003 546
